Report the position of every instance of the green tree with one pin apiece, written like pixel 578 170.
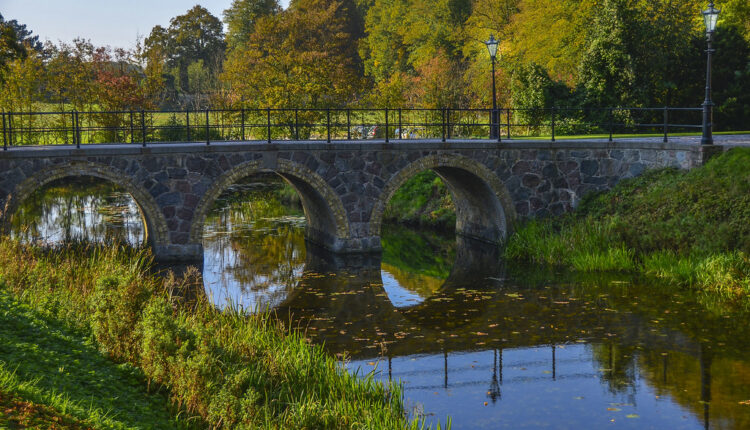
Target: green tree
pixel 23 35
pixel 241 16
pixel 607 70
pixel 196 35
pixel 731 78
pixel 10 48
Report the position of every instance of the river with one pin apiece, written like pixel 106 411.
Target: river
pixel 489 343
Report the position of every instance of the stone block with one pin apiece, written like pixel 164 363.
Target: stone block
pixel 531 180
pixel 589 167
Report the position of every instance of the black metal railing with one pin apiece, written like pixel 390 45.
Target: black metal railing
pixel 206 126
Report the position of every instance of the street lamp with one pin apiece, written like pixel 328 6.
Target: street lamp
pixel 710 16
pixel 492 49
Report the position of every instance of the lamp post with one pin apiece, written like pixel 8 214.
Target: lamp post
pixel 710 16
pixel 492 49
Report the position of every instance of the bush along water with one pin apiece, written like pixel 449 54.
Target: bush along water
pixel 225 368
pixel 689 228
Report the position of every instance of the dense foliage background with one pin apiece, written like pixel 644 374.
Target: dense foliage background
pixel 396 53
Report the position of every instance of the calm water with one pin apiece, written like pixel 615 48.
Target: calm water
pixel 489 344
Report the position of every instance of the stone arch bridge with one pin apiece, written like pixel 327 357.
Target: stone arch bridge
pixel 344 186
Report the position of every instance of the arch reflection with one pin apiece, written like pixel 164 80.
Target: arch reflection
pixel 81 208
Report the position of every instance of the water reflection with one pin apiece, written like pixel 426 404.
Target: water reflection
pixel 255 254
pixel 491 345
pixel 254 247
pixel 78 209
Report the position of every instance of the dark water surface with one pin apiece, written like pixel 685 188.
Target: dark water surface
pixel 489 344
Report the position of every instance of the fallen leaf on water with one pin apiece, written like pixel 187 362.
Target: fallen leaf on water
pixel 632 416
pixel 745 402
pixel 614 409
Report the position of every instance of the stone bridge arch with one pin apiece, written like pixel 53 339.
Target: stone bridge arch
pixel 155 226
pixel 327 222
pixel 484 208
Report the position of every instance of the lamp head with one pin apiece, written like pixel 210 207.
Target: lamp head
pixel 492 46
pixel 710 17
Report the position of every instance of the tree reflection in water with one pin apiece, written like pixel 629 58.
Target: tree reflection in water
pixel 79 209
pixel 254 244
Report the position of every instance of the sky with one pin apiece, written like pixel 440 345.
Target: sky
pixel 105 22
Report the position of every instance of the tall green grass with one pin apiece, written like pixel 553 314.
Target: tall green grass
pixel 229 369
pixel 689 228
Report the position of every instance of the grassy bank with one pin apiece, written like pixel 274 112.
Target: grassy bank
pixel 689 228
pixel 220 368
pixel 54 375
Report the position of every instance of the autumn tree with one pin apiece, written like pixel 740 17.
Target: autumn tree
pixel 302 57
pixel 70 74
pixel 552 34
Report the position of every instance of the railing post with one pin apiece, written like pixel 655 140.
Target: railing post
pixel 187 124
pixel 448 122
pixel 77 131
pixel 72 126
pixel 611 120
pixel 5 137
pixel 208 129
pixel 143 128
pixel 268 125
pixel 497 115
pixel 132 128
pixel 386 126
pixel 296 123
pixel 508 116
pixel 553 123
pixel 10 128
pixel 400 126
pixel 443 123
pixel 242 123
pixel 348 124
pixel 328 125
pixel 666 122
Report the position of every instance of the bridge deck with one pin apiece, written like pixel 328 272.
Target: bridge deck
pixel 679 142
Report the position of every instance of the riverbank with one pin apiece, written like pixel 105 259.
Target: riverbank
pixel 219 368
pixel 688 228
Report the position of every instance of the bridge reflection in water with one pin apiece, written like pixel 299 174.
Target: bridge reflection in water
pixel 490 345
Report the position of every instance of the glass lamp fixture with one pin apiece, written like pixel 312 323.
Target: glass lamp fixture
pixel 492 46
pixel 710 16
